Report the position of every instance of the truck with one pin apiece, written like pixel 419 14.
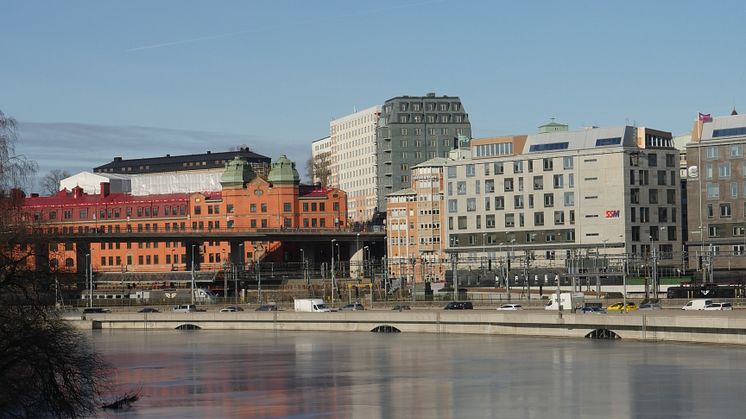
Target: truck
pixel 311 305
pixel 569 301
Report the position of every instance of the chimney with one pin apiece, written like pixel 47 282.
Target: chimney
pixel 77 192
pixel 105 188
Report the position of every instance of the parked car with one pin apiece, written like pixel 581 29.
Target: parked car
pixel 719 306
pixel 185 308
pixel 620 306
pixel 590 310
pixel 510 307
pixel 267 307
pixel 352 307
pixel 698 304
pixel 91 310
pixel 459 305
pixel 231 309
pixel 400 307
pixel 148 310
pixel 650 306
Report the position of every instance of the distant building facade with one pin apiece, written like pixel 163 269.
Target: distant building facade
pixel 716 190
pixel 246 202
pixel 353 161
pixel 411 130
pixel 165 175
pixel 561 193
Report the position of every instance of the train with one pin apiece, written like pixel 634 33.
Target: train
pixel 692 291
pixel 153 296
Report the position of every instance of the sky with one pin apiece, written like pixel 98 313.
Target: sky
pixel 90 80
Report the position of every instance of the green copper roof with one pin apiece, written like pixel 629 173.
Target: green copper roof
pixel 237 173
pixel 283 171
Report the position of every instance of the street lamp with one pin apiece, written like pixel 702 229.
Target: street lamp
pixel 89 278
pixel 366 261
pixel 303 267
pixel 334 242
pixel 235 278
pixel 192 282
pixel 225 275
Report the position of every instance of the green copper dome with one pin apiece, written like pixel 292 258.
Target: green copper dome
pixel 237 173
pixel 283 171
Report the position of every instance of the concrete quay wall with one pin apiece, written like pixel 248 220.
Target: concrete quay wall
pixel 664 325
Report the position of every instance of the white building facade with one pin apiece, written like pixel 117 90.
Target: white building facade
pixel 353 161
pixel 568 194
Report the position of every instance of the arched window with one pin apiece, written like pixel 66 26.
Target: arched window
pixel 69 263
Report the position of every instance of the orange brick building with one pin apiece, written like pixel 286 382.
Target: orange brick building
pixel 246 203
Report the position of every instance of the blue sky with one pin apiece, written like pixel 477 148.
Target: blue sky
pixel 273 73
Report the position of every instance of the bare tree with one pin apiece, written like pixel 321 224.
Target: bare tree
pixel 47 368
pixel 50 183
pixel 15 170
pixel 319 168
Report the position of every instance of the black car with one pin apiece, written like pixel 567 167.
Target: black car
pixel 459 305
pixel 149 310
pixel 400 307
pixel 352 307
pixel 89 310
pixel 267 307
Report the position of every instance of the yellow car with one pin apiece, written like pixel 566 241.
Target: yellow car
pixel 620 307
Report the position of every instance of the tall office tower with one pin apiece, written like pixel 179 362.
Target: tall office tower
pixel 411 130
pixel 353 161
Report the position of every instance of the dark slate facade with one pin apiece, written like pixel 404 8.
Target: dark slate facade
pixel 411 130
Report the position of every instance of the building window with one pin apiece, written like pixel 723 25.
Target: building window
pixel 569 199
pixel 500 203
pixel 517 167
pixel 548 200
pixel 724 170
pixel 471 204
pixel 567 162
pixel 725 210
pixel 538 183
pixel 559 217
pixel 548 164
pixel 470 171
pixel 736 150
pixel 461 187
pixel 539 218
pixel 286 207
pixel 508 185
pixel 509 220
pixel 462 222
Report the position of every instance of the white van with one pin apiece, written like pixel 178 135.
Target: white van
pixel 699 304
pixel 185 308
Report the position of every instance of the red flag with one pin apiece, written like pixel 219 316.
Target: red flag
pixel 704 117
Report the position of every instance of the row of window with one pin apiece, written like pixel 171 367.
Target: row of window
pixel 498 202
pixel 430 106
pixel 510 220
pixel 519 166
pixel 558 182
pixel 114 213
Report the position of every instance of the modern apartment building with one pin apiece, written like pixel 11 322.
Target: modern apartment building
pixel 716 189
pixel 353 161
pixel 559 194
pixel 411 130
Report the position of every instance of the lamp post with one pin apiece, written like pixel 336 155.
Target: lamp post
pixel 89 279
pixel 192 281
pixel 366 261
pixel 225 275
pixel 240 261
pixel 334 242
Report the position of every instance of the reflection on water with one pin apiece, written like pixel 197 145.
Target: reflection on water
pixel 252 374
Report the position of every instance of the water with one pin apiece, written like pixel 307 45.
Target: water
pixel 251 374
